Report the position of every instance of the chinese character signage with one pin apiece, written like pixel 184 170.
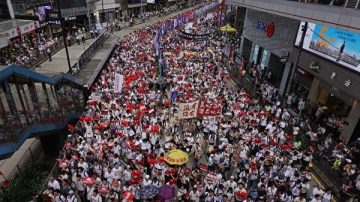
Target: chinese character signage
pixel 119 79
pixel 202 108
pixel 207 108
pixel 187 110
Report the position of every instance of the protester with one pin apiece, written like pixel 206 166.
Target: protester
pixel 245 151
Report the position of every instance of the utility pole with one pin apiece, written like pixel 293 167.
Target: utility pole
pixel 103 11
pixel 63 33
pixel 88 13
pixel 301 43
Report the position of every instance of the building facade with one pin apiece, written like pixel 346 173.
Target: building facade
pixel 325 70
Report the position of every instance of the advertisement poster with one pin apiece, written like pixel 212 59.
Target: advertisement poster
pixel 119 80
pixel 340 46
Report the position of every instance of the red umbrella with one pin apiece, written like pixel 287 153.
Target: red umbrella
pixel 241 114
pixel 88 181
pixel 125 123
pixel 171 171
pixel 103 190
pixel 129 107
pixel 136 173
pixel 154 128
pixel 128 196
pixel 131 144
pixel 91 102
pixel 152 161
pixel 136 122
pixel 135 181
pixel 289 138
pixel 71 128
pixel 241 195
pixel 86 119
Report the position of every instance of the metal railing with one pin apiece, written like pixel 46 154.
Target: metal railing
pixel 30 157
pixel 86 55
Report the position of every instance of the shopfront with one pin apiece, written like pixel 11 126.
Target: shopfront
pixel 267 42
pixel 302 82
pixel 334 86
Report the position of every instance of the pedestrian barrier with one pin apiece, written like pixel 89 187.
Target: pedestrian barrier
pixel 85 56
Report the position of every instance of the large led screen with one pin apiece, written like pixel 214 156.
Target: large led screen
pixel 329 42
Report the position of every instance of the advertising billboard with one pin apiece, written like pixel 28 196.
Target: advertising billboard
pixel 338 45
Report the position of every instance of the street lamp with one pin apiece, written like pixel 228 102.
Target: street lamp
pixel 63 33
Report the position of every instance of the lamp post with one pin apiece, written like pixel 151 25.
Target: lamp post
pixel 63 33
pixel 304 29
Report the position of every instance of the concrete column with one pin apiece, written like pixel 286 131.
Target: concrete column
pixel 284 79
pixel 11 9
pixel 252 52
pixel 314 90
pixel 352 120
pixel 241 46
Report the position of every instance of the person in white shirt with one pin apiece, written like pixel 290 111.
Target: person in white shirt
pixel 116 171
pixel 71 197
pixel 317 191
pixel 317 198
pixel 54 183
pixel 231 183
pixel 83 164
pixel 146 181
pixel 95 197
pixel 327 196
pixel 58 197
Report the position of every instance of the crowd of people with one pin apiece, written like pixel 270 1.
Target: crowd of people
pixel 26 52
pixel 249 152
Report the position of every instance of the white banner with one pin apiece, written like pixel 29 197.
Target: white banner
pixel 119 79
pixel 187 110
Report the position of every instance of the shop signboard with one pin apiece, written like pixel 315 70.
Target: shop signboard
pixel 275 34
pixel 338 45
pixel 18 31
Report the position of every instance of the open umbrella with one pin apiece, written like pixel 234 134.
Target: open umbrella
pixel 227 28
pixel 89 181
pixel 166 192
pixel 148 192
pixel 63 164
pixel 127 196
pixel 176 157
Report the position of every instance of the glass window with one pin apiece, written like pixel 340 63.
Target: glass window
pixel 256 53
pixel 263 59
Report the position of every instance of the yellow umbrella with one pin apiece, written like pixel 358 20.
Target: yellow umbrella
pixel 176 157
pixel 227 28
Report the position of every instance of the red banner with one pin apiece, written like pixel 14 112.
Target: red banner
pixel 207 108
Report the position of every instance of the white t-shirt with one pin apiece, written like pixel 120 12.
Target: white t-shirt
pixel 55 185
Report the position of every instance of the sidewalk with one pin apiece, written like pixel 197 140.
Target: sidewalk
pixel 59 61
